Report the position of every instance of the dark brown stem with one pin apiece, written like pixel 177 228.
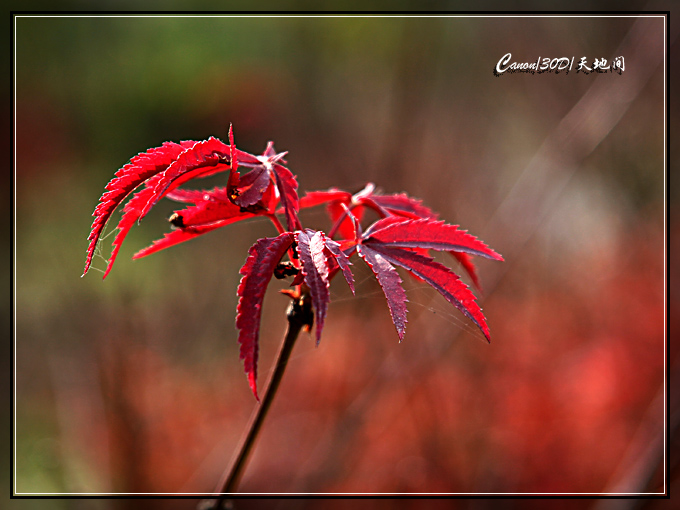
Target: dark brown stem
pixel 299 315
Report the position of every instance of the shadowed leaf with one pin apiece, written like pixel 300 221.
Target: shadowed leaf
pixel 310 247
pixel 390 281
pixel 445 281
pixel 257 271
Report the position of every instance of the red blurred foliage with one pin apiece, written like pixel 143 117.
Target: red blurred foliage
pixel 554 404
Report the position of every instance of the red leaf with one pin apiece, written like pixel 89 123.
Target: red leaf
pixel 390 281
pixel 409 207
pixel 270 151
pixel 385 205
pixel 179 236
pixel 161 170
pixel 310 247
pixel 445 281
pixel 207 215
pixel 403 205
pixel 137 171
pixel 200 158
pixel 399 205
pixel 194 196
pixel 287 186
pixel 130 216
pixel 132 213
pixel 334 199
pixel 209 211
pixel 197 196
pixel 382 223
pixel 314 198
pixel 429 234
pixel 252 186
pixel 255 184
pixel 338 212
pixel 466 261
pixel 257 271
pixel 342 260
pixel 233 176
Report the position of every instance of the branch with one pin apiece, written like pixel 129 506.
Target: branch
pixel 299 315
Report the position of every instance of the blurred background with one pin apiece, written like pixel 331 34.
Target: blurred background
pixel 133 384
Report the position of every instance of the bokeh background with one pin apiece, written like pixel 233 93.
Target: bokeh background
pixel 133 384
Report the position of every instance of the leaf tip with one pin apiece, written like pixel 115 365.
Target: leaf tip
pixel 253 384
pixel 485 332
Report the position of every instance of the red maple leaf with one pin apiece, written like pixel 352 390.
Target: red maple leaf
pixel 391 284
pixel 318 256
pixel 211 210
pixel 263 186
pixel 258 270
pixel 340 203
pixel 137 171
pixel 161 170
pixel 400 241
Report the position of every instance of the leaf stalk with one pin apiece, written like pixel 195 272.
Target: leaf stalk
pixel 299 315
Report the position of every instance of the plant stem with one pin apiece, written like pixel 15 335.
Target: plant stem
pixel 335 227
pixel 279 227
pixel 276 223
pixel 299 314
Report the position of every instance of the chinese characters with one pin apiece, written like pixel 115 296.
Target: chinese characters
pixel 601 65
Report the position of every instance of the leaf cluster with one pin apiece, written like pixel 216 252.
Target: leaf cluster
pixel 262 185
